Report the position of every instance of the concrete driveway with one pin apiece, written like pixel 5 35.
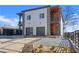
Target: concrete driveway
pixel 15 45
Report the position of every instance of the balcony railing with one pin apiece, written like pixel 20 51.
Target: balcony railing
pixel 20 23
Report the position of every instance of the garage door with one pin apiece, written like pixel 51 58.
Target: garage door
pixel 40 31
pixel 29 31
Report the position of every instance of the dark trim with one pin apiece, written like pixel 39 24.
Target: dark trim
pixel 48 6
pixel 20 14
pixel 36 8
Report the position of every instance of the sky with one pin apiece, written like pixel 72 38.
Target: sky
pixel 72 21
pixel 8 15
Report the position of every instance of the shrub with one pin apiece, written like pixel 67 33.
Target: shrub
pixel 65 48
pixel 52 47
pixel 41 46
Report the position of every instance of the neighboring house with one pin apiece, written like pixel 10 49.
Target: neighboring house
pixel 76 38
pixel 9 30
pixel 42 21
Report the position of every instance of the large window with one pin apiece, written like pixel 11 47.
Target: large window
pixel 41 15
pixel 29 17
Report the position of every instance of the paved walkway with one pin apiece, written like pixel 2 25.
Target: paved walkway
pixel 16 45
pixel 64 43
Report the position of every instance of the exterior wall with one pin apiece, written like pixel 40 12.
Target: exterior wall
pixel 61 26
pixel 48 21
pixel 35 20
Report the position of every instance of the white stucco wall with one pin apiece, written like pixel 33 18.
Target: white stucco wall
pixel 35 20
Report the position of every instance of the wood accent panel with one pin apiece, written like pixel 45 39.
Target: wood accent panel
pixel 55 18
pixel 54 28
pixel 55 13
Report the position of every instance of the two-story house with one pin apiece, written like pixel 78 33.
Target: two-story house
pixel 42 21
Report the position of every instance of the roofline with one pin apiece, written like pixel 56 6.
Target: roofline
pixel 48 6
pixel 37 8
pixel 3 27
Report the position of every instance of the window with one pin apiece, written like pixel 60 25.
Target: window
pixel 41 15
pixel 77 38
pixel 29 17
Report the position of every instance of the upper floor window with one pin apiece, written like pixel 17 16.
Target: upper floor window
pixel 29 17
pixel 41 15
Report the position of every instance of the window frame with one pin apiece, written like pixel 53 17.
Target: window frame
pixel 28 17
pixel 42 15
